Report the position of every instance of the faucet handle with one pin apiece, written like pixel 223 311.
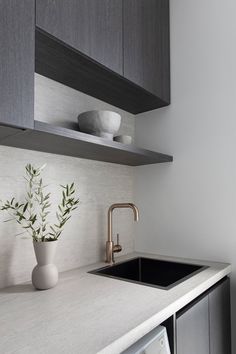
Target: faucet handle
pixel 117 248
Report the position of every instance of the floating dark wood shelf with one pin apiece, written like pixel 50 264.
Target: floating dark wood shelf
pixel 60 62
pixel 48 138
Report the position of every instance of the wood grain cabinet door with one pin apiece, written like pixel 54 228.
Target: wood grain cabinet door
pixel 17 20
pixel 219 311
pixel 94 27
pixel 192 328
pixel 146 45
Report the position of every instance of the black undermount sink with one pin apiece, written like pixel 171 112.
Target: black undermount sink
pixel 151 272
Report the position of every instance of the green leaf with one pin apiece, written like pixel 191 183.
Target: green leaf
pixel 30 195
pixel 59 233
pixel 34 219
pixel 20 215
pixel 66 212
pixel 51 227
pixel 8 220
pixel 68 218
pixel 25 207
pixel 26 227
pixel 46 197
pixel 58 217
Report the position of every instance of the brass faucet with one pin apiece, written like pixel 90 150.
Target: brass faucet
pixel 110 247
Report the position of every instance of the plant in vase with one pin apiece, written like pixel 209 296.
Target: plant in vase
pixel 32 214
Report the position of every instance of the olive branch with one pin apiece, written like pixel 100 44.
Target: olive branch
pixel 33 212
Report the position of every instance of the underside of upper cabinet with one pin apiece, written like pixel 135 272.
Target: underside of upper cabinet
pixel 114 50
pixel 60 62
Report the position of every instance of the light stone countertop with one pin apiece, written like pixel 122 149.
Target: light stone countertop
pixel 88 314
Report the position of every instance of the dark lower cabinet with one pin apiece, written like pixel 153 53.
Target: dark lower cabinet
pixel 17 63
pixel 219 312
pixel 192 329
pixel 94 27
pixel 203 327
pixel 146 45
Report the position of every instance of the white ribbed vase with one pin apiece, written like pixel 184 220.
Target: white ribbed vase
pixel 45 273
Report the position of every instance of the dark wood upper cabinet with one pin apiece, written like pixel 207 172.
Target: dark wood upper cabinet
pixel 17 63
pixel 94 27
pixel 79 43
pixel 114 50
pixel 146 45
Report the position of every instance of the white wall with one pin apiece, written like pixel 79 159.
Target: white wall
pixel 99 185
pixel 188 208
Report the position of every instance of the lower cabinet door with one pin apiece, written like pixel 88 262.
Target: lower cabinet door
pixel 192 329
pixel 219 311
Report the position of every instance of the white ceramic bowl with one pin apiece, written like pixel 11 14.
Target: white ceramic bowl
pixel 101 123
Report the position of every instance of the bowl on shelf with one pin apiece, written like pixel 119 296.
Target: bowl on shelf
pixel 100 123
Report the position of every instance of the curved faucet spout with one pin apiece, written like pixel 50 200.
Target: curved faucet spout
pixel 110 248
